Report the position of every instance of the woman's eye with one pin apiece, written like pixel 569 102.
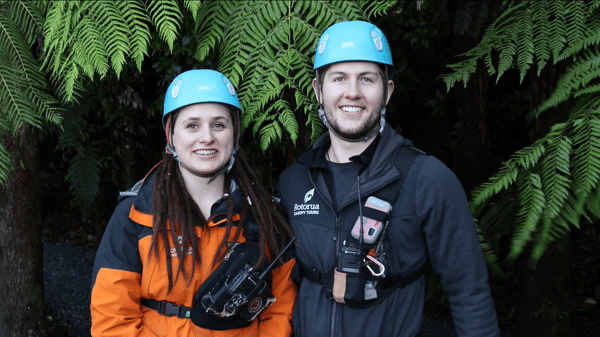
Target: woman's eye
pixel 192 126
pixel 219 126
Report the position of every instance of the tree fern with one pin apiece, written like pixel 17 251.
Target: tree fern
pixel 266 49
pixel 575 81
pixel 95 37
pixel 23 89
pixel 531 30
pixel 558 176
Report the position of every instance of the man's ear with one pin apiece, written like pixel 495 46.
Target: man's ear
pixel 390 91
pixel 315 85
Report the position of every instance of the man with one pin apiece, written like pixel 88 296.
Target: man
pixel 368 280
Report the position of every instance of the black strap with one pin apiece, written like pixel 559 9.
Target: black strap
pixel 403 160
pixel 167 308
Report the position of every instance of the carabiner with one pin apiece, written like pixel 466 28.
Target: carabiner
pixel 381 267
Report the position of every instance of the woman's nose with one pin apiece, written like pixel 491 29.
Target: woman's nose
pixel 205 135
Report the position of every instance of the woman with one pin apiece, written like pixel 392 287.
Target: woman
pixel 203 207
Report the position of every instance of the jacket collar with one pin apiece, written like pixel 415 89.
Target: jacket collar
pixel 374 158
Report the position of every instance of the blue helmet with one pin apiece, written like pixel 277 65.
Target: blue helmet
pixel 353 41
pixel 199 86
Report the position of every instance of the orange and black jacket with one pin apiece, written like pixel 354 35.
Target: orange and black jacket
pixel 123 274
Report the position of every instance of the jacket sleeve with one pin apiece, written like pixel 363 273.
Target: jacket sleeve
pixel 116 277
pixel 276 320
pixel 454 249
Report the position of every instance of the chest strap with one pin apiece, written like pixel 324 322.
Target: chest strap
pixel 314 275
pixel 167 308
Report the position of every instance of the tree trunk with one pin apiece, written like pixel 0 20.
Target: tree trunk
pixel 21 279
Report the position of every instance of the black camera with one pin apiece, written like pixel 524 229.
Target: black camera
pixel 351 258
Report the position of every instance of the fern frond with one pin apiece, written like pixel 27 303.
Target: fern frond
pixel 376 8
pixel 524 159
pixel 541 40
pixel 524 42
pixel 166 16
pixel 136 20
pixel 18 108
pixel 532 206
pixel 530 30
pixel 212 23
pixel 579 75
pixel 193 6
pixel 556 173
pixel 586 161
pixel 83 176
pixel 6 166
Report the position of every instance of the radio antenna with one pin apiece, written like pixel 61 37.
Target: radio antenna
pixel 264 273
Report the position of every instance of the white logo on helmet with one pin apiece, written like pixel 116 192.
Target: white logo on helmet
pixel 377 40
pixel 323 44
pixel 309 195
pixel 203 87
pixel 229 86
pixel 175 90
pixel 347 44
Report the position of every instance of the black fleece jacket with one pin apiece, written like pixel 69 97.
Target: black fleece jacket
pixel 430 220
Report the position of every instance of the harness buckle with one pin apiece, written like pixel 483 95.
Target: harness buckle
pixel 315 275
pixel 169 309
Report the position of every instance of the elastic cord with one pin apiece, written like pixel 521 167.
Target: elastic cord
pixel 361 230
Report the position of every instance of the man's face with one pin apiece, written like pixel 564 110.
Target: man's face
pixel 352 97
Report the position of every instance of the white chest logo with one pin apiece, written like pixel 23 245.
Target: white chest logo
pixel 305 208
pixel 309 195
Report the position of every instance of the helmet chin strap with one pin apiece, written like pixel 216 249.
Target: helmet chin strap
pixel 225 169
pixel 362 139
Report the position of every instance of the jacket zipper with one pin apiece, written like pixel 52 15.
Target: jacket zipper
pixel 337 245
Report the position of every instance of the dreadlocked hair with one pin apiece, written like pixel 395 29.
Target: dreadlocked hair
pixel 176 213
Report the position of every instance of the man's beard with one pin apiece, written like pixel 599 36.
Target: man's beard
pixel 359 133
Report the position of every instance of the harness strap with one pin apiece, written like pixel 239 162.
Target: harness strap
pixel 167 308
pixel 403 160
pixel 316 276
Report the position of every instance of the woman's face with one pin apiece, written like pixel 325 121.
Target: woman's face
pixel 203 137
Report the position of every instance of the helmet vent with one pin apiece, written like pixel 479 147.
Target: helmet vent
pixel 231 89
pixel 323 44
pixel 175 90
pixel 377 40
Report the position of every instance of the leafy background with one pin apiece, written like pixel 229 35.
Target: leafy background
pixel 505 93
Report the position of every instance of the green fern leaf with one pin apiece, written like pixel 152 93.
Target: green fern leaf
pixel 532 207
pixel 83 176
pixel 166 16
pixel 136 19
pixel 376 8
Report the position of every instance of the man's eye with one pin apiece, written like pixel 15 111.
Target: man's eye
pixel 338 79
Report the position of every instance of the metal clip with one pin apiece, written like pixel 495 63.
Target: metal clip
pixel 381 267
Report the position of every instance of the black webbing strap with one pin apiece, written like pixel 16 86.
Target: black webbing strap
pixel 167 308
pixel 403 160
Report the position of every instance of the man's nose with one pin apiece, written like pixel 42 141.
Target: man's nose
pixel 353 90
